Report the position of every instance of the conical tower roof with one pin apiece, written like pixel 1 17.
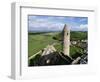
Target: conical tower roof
pixel 66 27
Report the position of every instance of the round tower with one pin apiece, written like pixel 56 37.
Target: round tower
pixel 66 40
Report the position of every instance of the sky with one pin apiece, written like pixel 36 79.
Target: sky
pixel 40 23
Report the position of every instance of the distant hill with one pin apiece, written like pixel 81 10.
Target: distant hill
pixel 78 35
pixel 74 35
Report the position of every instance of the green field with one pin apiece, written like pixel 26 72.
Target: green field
pixel 38 41
pixel 78 35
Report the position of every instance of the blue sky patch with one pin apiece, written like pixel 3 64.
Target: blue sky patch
pixel 40 23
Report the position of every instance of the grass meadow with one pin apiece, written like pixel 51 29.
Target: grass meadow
pixel 38 41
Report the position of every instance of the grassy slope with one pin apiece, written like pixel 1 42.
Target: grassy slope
pixel 74 50
pixel 38 41
pixel 78 35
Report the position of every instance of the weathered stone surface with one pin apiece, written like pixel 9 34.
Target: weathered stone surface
pixel 76 61
pixel 66 40
pixel 84 59
pixel 54 58
pixel 49 49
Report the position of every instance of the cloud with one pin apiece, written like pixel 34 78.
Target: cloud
pixel 56 23
pixel 45 25
pixel 83 26
pixel 83 19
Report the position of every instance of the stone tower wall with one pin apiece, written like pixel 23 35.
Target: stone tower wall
pixel 66 40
